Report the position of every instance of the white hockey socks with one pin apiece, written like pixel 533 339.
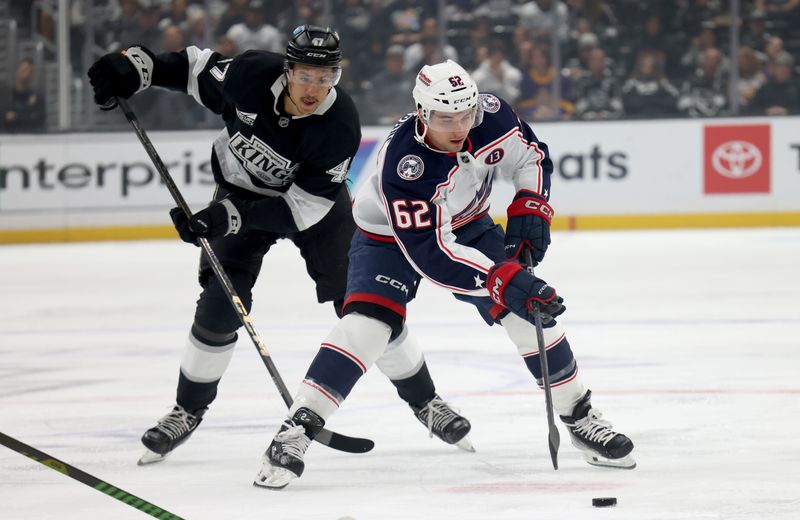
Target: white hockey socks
pixel 402 357
pixel 350 349
pixel 565 381
pixel 204 363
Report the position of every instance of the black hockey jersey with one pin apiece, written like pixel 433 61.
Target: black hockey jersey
pixel 297 163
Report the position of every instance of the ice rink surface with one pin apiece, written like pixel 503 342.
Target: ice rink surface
pixel 690 341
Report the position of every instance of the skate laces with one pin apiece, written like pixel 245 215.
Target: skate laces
pixel 176 422
pixel 294 440
pixel 437 415
pixel 593 428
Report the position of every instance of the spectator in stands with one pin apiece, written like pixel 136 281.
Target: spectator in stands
pixel 177 15
pixel 387 97
pixel 495 74
pixel 648 93
pixel 579 63
pixel 22 106
pixel 195 33
pixel 597 92
pixel 147 32
pixel 233 15
pixel 522 43
pixel 124 28
pixel 172 39
pixel 773 49
pixel 596 14
pixel 705 94
pixel 707 39
pixel 254 33
pixel 751 76
pixel 476 49
pixel 226 46
pixel 537 102
pixel 780 95
pixel 655 40
pixel 779 8
pixel 428 49
pixel 541 16
pixel 755 33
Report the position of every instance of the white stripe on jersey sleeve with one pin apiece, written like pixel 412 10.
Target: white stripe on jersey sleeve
pixel 197 62
pixel 307 209
pixel 528 174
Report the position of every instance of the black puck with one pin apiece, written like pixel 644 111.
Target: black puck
pixel 604 502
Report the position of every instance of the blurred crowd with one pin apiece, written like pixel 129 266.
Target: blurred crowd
pixel 618 59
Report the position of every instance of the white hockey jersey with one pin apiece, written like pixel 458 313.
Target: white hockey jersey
pixel 418 196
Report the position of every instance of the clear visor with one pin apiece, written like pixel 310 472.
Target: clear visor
pixel 453 121
pixel 314 76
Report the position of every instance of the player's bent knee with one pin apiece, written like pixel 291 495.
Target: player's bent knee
pixel 214 310
pixel 378 312
pixel 523 334
pixel 363 338
pixel 402 358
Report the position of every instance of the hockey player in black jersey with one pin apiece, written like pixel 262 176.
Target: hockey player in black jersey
pixel 424 213
pixel 280 164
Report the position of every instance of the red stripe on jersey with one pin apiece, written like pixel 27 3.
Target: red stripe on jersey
pixel 377 300
pixel 539 180
pixel 320 390
pixel 379 238
pixel 497 141
pixel 347 354
pixel 466 220
pixel 566 380
pixel 547 347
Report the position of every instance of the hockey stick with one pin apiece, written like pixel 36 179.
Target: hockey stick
pixel 331 439
pixel 553 438
pixel 84 478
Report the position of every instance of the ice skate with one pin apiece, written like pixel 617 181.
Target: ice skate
pixel 171 431
pixel 598 443
pixel 444 422
pixel 283 460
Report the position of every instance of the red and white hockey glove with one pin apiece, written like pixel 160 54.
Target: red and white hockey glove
pixel 529 217
pixel 518 291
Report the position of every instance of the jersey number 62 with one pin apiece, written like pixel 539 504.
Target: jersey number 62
pixel 411 214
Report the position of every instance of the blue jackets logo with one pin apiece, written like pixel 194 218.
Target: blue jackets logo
pixel 410 167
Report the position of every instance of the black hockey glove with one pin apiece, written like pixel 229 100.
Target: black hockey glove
pixel 529 217
pixel 121 74
pixel 220 218
pixel 518 291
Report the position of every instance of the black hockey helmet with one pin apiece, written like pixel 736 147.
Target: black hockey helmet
pixel 315 46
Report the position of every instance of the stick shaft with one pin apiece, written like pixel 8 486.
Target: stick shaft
pixel 84 478
pixel 553 437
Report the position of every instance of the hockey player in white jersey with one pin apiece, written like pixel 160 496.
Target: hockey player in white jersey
pixel 424 214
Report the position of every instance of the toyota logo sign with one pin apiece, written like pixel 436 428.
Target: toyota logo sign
pixel 736 159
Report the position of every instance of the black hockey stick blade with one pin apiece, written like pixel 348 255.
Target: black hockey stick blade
pixel 553 437
pixel 344 443
pixel 84 478
pixel 331 439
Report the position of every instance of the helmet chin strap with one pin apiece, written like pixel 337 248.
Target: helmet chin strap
pixel 420 137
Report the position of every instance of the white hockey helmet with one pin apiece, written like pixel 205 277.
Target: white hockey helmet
pixel 445 87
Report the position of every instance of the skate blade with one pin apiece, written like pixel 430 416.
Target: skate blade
pixel 272 477
pixel 466 445
pixel 150 457
pixel 625 462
